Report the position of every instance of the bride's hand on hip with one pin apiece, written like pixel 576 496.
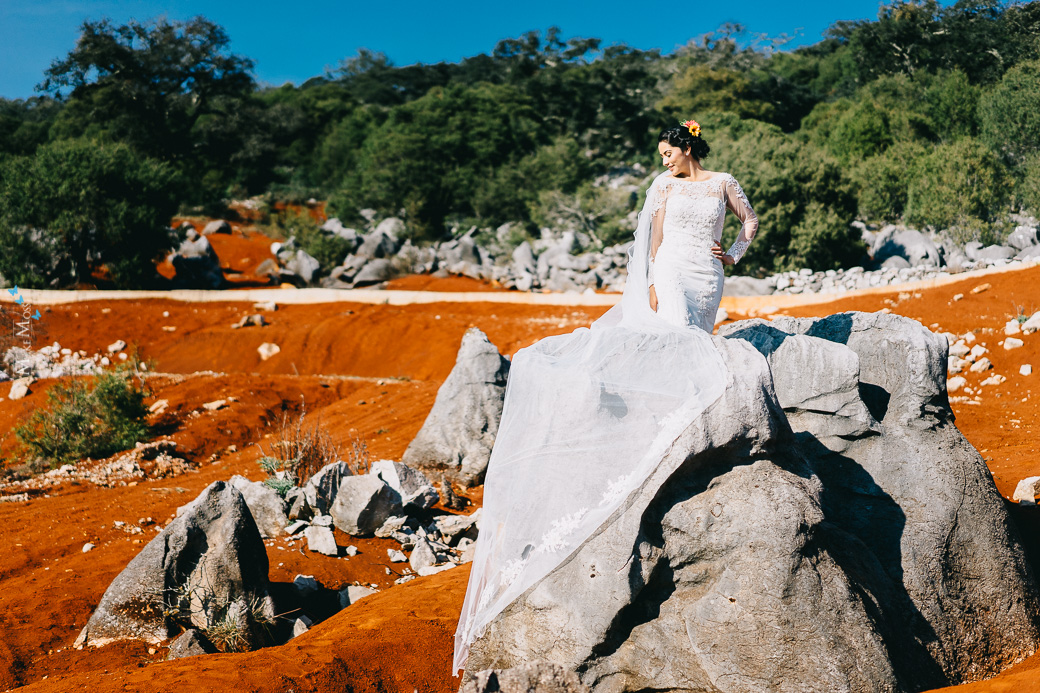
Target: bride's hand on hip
pixel 716 250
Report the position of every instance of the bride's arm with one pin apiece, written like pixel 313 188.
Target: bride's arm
pixel 656 236
pixel 737 202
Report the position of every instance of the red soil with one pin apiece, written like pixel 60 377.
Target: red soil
pixel 373 371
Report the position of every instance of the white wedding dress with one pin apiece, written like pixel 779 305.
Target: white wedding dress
pixel 588 415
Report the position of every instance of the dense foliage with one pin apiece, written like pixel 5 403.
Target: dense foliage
pixel 928 115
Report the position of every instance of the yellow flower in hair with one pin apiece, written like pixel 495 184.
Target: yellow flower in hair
pixel 693 126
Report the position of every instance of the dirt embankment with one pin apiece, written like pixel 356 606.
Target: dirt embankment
pixel 371 370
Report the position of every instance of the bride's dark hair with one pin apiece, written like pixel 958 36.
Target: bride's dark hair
pixel 680 136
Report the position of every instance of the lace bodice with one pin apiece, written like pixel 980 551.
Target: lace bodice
pixel 689 215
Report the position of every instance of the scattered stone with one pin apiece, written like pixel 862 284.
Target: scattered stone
pixel 20 388
pixel 416 491
pixel 352 593
pixel 957 297
pixel 1012 327
pixel 351 550
pixel 306 585
pixel 216 226
pixel 451 500
pixel 215 405
pixel 269 306
pixel 434 569
pixel 250 320
pixel 1032 324
pixel 190 643
pixel 196 264
pixel 392 524
pixel 320 490
pixel 87 547
pixel 1025 369
pixel 267 350
pixel 995 379
pixel 980 288
pixel 451 526
pixel 1027 491
pixel 423 555
pixel 300 626
pixel 1012 343
pixel 322 521
pixel 265 505
pixel 296 527
pixel 321 540
pixel 396 556
pixel 981 365
pixel 116 346
pixel 159 406
pixel 363 504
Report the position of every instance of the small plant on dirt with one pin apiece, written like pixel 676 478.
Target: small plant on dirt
pixel 87 417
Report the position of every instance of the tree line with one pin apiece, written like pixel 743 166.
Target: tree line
pixel 928 115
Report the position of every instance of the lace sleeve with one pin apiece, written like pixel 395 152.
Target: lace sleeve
pixel 656 202
pixel 737 203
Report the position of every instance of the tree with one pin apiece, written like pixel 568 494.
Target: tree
pixel 79 206
pixel 962 184
pixel 1010 113
pixel 172 90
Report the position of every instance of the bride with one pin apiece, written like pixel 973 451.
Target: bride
pixel 588 415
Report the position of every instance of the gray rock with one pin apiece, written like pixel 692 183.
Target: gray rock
pixel 377 244
pixel 321 540
pixel 996 252
pixel 1029 253
pixel 374 272
pixel 363 504
pixel 971 249
pixel 423 555
pixel 460 430
pixel 301 626
pixel 352 593
pixel 216 226
pixel 335 227
pixel 911 245
pixel 523 259
pixel 267 268
pixel 306 585
pixel 208 564
pixel 299 508
pixel 536 677
pixel 196 264
pixel 1022 237
pixel 417 492
pixel 190 643
pixel 303 266
pixel 451 526
pixel 896 262
pixel 265 505
pixel 392 227
pixel 320 490
pixel 761 556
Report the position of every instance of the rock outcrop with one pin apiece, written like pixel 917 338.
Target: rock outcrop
pixel 460 430
pixel 822 527
pixel 208 566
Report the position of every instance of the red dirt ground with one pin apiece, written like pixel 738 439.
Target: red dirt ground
pixel 373 371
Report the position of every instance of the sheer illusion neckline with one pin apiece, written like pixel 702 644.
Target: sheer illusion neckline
pixel 687 180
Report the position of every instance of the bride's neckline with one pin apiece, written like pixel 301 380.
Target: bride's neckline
pixel 689 180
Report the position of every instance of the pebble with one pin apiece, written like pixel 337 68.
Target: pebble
pixel 87 547
pixel 1012 343
pixel 267 350
pixel 1026 369
pixel 981 365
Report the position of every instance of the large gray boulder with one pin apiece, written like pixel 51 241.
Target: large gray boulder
pixel 822 527
pixel 320 490
pixel 911 245
pixel 363 504
pixel 460 430
pixel 265 505
pixel 415 489
pixel 207 566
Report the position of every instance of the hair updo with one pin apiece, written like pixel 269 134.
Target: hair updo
pixel 680 136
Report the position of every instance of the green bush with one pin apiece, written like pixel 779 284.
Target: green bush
pixel 882 181
pixel 1010 112
pixel 959 184
pixel 77 206
pixel 1029 185
pixel 93 417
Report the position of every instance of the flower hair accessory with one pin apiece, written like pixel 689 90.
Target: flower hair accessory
pixel 693 126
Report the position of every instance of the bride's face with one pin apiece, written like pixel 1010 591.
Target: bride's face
pixel 673 158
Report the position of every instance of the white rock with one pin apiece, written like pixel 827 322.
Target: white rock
pixel 434 569
pixel 215 405
pixel 977 351
pixel 19 388
pixel 116 346
pixel 955 384
pixel 267 350
pixel 1026 491
pixel 300 627
pixel 1032 324
pixel 350 550
pixel 159 406
pixel 968 337
pixel 981 365
pixel 1025 369
pixel 995 379
pixel 959 350
pixel 87 547
pixel 1012 327
pixel 1012 343
pixel 396 556
pixel 352 593
pixel 296 527
pixel 322 540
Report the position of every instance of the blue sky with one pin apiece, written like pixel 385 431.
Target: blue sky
pixel 292 41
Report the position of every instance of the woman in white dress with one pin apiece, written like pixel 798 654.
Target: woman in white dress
pixel 588 415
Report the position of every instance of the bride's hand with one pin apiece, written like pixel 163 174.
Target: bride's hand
pixel 716 250
pixel 653 298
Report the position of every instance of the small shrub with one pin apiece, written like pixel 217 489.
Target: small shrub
pixel 94 417
pixel 301 450
pixel 958 184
